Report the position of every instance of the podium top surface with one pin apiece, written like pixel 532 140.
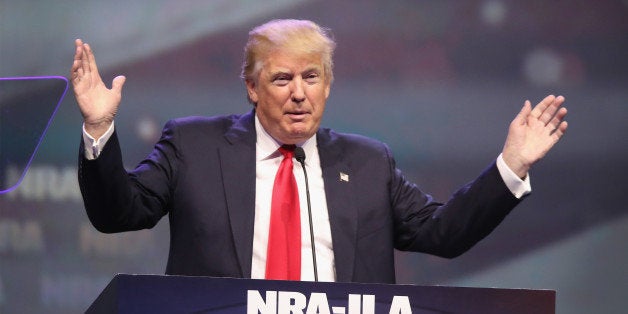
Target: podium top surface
pixel 182 294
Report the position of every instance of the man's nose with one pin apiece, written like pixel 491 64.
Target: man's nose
pixel 297 91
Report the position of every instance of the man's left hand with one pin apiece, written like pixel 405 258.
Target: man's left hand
pixel 533 133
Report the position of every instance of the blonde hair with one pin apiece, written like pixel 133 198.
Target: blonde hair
pixel 295 36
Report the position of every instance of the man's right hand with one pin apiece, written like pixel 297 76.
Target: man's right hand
pixel 97 103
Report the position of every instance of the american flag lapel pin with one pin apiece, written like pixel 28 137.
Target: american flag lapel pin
pixel 344 177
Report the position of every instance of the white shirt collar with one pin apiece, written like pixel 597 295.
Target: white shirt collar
pixel 267 146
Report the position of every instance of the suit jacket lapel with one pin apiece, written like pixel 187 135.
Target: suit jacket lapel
pixel 237 160
pixel 343 215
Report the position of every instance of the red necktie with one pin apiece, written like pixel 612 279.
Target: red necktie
pixel 283 259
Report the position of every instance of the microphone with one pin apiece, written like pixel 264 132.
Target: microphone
pixel 299 154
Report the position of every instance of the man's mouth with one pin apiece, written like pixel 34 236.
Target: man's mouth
pixel 297 115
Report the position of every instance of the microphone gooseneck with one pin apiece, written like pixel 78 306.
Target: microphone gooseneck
pixel 299 155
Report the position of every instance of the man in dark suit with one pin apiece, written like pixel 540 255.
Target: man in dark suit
pixel 214 176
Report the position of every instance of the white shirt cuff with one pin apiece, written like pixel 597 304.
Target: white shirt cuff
pixel 517 187
pixel 93 147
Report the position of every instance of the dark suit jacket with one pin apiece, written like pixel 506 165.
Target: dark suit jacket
pixel 202 174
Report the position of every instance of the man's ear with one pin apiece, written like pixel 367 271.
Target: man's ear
pixel 252 92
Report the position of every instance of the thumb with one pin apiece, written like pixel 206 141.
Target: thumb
pixel 522 116
pixel 117 83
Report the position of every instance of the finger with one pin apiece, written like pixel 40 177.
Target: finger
pixel 540 107
pixel 563 127
pixel 82 60
pixel 522 116
pixel 92 63
pixel 550 111
pixel 560 130
pixel 78 44
pixel 76 69
pixel 558 118
pixel 88 59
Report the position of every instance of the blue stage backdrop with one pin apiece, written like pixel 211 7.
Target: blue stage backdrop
pixel 439 81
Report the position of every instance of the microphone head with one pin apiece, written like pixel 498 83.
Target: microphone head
pixel 299 154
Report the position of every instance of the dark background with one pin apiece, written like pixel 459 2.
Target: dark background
pixel 439 81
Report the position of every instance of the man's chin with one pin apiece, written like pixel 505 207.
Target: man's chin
pixel 299 136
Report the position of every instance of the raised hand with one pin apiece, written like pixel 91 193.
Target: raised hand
pixel 97 103
pixel 533 133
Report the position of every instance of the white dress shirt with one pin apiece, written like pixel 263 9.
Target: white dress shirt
pixel 267 160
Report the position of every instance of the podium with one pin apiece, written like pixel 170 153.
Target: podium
pixel 182 294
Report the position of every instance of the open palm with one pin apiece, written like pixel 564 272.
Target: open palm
pixel 533 133
pixel 98 104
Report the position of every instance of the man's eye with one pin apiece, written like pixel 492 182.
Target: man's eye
pixel 312 78
pixel 281 81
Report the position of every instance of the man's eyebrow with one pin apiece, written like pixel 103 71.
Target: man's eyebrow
pixel 313 68
pixel 279 72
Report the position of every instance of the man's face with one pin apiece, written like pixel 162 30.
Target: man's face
pixel 290 93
